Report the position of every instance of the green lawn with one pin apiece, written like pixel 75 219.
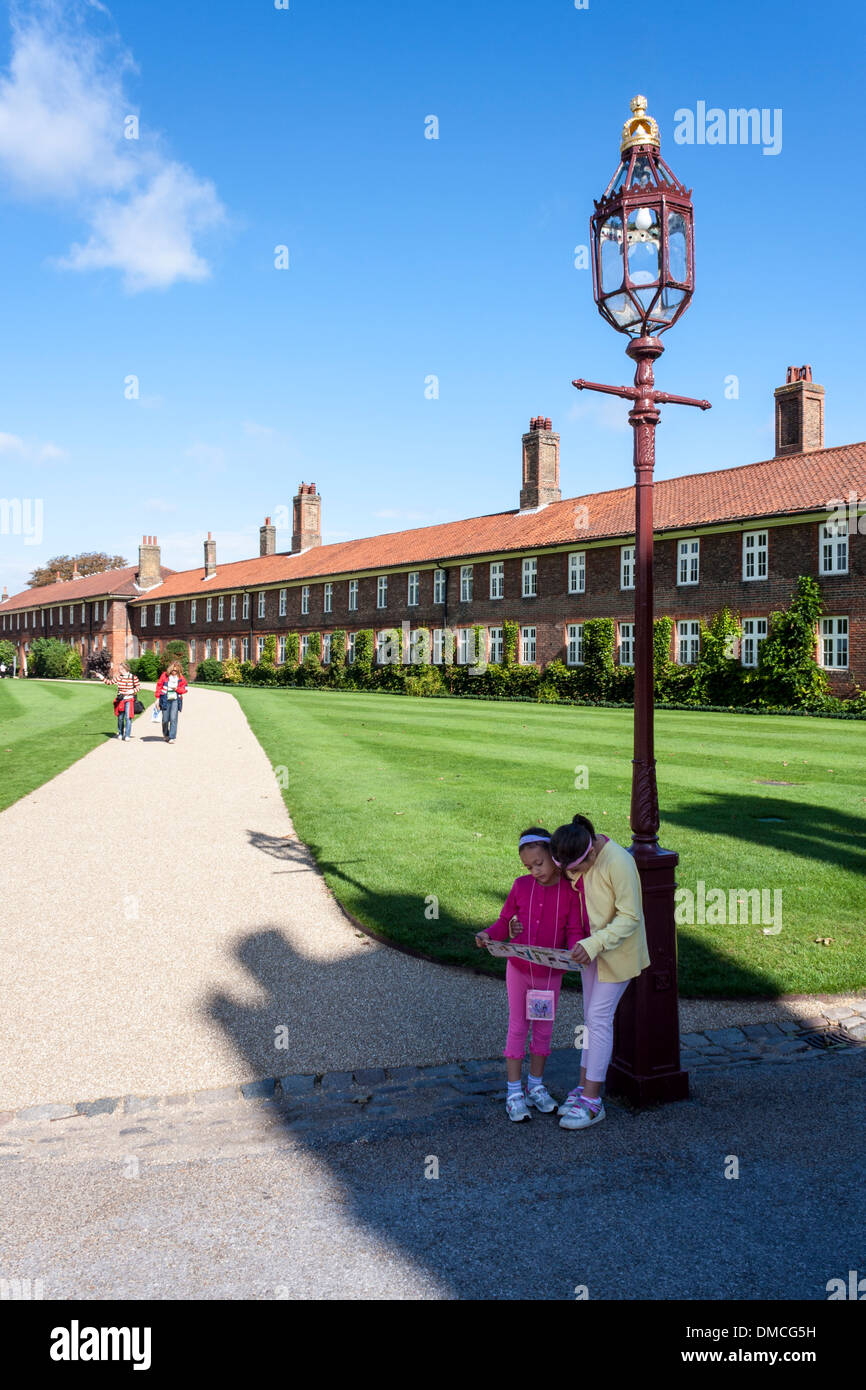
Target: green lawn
pixel 404 801
pixel 47 725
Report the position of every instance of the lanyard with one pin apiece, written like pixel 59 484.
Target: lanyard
pixel 529 942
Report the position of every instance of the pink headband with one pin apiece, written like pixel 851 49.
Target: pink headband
pixel 574 863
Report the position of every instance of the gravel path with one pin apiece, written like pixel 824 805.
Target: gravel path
pixel 170 934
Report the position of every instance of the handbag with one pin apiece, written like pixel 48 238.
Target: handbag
pixel 137 707
pixel 163 702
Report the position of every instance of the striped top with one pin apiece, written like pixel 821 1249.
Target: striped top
pixel 126 687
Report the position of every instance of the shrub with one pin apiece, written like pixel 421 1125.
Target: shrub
pixel 424 680
pixel 510 636
pixel 209 671
pixel 232 670
pixel 247 669
pixel 597 657
pixel 293 649
pixel 662 631
pixel 363 663
pixel 718 673
pixel 621 685
pixel 338 649
pixel 99 663
pixel 74 666
pixel 789 672
pixel 8 653
pixel 148 666
pixel 49 658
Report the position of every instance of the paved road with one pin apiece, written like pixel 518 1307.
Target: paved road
pixel 253 1200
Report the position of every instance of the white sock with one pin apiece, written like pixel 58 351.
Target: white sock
pixel 532 1081
pixel 514 1088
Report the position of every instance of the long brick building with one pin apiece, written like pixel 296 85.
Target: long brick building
pixel 738 537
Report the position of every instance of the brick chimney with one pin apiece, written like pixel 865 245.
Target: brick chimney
pixel 267 538
pixel 306 518
pixel 149 572
pixel 75 574
pixel 209 557
pixel 57 578
pixel 799 413
pixel 5 594
pixel 540 465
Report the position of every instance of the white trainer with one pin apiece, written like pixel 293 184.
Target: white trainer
pixel 580 1116
pixel 515 1107
pixel 540 1097
pixel 571 1099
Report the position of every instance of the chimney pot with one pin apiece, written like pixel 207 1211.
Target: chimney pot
pixel 799 413
pixel 306 518
pixel 540 465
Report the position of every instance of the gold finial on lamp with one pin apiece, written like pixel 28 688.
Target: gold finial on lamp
pixel 639 129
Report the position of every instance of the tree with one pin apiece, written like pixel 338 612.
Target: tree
pixel 8 653
pixel 89 562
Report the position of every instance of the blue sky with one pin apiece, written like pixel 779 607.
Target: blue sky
pixel 408 257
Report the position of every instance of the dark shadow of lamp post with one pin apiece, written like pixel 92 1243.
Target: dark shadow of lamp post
pixel 643 273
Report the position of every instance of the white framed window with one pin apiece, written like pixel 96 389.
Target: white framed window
pixel 220 649
pixel 382 591
pixel 233 608
pixel 172 614
pixel 283 601
pixel 754 633
pixel 530 578
pixel 305 598
pixel 192 608
pixel 245 649
pixel 144 615
pixel 688 560
pixel 353 595
pixel 833 649
pixel 105 609
pixel 82 613
pixel 577 572
pixel 626 644
pixel 233 647
pixel 329 598
pixel 326 648
pixel 496 637
pixel 626 567
pixel 497 579
pixel 157 613
pixel 574 636
pixel 466 646
pixel 413 593
pixel 260 648
pixel 833 547
pixel 51 616
pixel 281 648
pixel 220 608
pixel 245 607
pixel 437 635
pixel 527 643
pixel 688 643
pixel 208 610
pixel 754 554
pixel 208 648
pixel 261 603
pixel 383 646
pixel 465 583
pixel 59 616
pixel 350 648
pixel 439 586
pixel 191 649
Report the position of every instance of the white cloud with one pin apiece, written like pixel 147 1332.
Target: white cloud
pixel 30 451
pixel 62 113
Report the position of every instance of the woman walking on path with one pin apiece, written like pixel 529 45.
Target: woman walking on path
pixel 124 706
pixel 613 954
pixel 170 690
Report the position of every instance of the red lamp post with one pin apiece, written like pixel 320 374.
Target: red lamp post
pixel 643 271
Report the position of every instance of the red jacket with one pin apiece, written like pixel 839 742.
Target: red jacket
pixel 181 684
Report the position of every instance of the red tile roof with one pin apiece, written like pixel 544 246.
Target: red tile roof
pixel 776 487
pixel 105 584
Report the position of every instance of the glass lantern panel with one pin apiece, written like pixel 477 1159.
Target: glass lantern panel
pixel 678 261
pixel 642 174
pixel 623 311
pixel 668 304
pixel 618 180
pixel 644 232
pixel 610 254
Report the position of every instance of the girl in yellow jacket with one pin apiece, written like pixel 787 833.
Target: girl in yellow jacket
pixel 612 955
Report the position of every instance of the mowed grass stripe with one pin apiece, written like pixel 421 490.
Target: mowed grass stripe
pixel 45 726
pixel 402 800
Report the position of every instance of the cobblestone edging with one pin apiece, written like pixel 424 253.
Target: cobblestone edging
pixel 836 1029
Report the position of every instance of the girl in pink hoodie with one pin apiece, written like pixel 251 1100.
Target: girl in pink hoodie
pixel 540 910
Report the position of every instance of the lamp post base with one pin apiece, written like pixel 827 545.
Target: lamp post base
pixel 645 1066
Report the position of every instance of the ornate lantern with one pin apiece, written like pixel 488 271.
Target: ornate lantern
pixel 643 262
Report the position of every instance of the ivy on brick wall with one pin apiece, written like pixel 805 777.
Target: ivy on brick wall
pixel 598 634
pixel 787 668
pixel 510 637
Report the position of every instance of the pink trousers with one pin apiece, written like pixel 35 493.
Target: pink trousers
pixel 600 998
pixel 517 983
